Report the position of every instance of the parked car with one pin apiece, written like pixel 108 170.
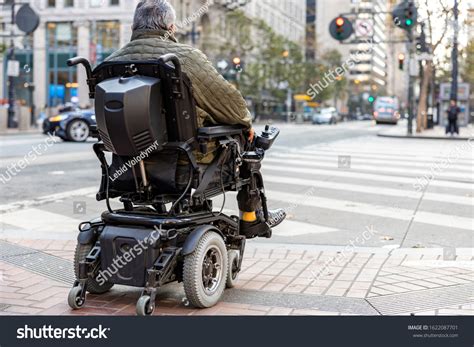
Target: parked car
pixel 326 116
pixel 72 124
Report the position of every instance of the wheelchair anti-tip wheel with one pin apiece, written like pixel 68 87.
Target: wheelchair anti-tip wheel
pixel 93 286
pixel 205 271
pixel 144 306
pixel 74 299
pixel 233 268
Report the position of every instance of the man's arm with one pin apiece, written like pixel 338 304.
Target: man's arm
pixel 214 94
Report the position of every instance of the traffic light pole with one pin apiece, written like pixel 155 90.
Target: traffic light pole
pixel 410 84
pixel 11 79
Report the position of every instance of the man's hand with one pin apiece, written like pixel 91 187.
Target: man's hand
pixel 251 135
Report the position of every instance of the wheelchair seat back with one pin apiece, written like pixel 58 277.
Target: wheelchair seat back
pixel 143 104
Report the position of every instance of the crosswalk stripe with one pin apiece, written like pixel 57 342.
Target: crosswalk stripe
pixel 400 149
pixel 414 159
pixel 387 162
pixel 48 159
pixel 294 227
pixel 373 210
pixel 366 189
pixel 367 176
pixel 371 168
pixel 37 220
pixel 46 199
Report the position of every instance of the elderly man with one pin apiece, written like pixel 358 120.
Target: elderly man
pixel 218 102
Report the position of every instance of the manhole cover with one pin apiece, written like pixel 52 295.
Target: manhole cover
pixel 42 263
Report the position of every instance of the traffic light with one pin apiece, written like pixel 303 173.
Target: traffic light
pixel 371 99
pixel 405 15
pixel 237 64
pixel 341 28
pixel 401 61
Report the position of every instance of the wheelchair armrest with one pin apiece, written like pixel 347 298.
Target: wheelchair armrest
pixel 209 133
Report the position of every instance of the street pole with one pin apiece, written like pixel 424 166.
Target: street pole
pixel 11 79
pixel 410 83
pixel 454 76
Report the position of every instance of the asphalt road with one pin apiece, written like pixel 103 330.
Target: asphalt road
pixel 340 184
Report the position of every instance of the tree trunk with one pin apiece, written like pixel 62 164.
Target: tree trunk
pixel 421 116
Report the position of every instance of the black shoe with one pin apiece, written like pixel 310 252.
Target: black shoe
pixel 260 227
pixel 275 217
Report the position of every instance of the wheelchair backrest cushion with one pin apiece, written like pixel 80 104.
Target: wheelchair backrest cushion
pixel 129 114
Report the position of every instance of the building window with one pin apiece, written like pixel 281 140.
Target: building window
pixel 68 3
pixel 105 39
pixel 114 2
pixel 51 3
pixel 61 38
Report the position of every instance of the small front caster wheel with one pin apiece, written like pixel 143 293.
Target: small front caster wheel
pixel 74 298
pixel 233 269
pixel 144 306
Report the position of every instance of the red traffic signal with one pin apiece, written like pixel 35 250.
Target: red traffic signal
pixel 340 28
pixel 401 61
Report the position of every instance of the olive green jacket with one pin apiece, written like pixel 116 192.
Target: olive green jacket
pixel 218 102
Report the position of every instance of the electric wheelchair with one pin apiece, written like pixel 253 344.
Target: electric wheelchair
pixel 149 149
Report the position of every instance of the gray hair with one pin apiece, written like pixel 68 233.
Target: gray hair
pixel 153 14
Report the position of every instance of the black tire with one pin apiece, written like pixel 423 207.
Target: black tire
pixel 143 306
pixel 74 300
pixel 82 128
pixel 232 273
pixel 93 286
pixel 204 289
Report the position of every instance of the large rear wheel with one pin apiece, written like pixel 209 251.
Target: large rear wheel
pixel 205 271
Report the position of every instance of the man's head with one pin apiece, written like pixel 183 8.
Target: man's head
pixel 453 102
pixel 154 15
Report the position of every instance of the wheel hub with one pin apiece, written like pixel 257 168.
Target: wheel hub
pixel 211 270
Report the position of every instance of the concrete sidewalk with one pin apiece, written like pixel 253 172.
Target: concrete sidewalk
pixel 277 279
pixel 437 133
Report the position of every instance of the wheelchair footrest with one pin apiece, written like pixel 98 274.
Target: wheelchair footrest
pixel 257 230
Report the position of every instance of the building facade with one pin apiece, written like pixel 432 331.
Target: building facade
pixel 92 29
pixel 286 17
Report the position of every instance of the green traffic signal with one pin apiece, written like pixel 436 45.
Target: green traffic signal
pixel 408 22
pixel 371 99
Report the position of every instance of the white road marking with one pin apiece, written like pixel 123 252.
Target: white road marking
pixel 373 210
pixel 36 220
pixel 46 199
pixel 421 173
pixel 366 176
pixel 333 158
pixel 370 189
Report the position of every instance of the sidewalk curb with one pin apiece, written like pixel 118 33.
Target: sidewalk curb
pixel 424 137
pixel 21 132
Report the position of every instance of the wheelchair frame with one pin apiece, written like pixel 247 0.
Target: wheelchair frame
pixel 190 220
